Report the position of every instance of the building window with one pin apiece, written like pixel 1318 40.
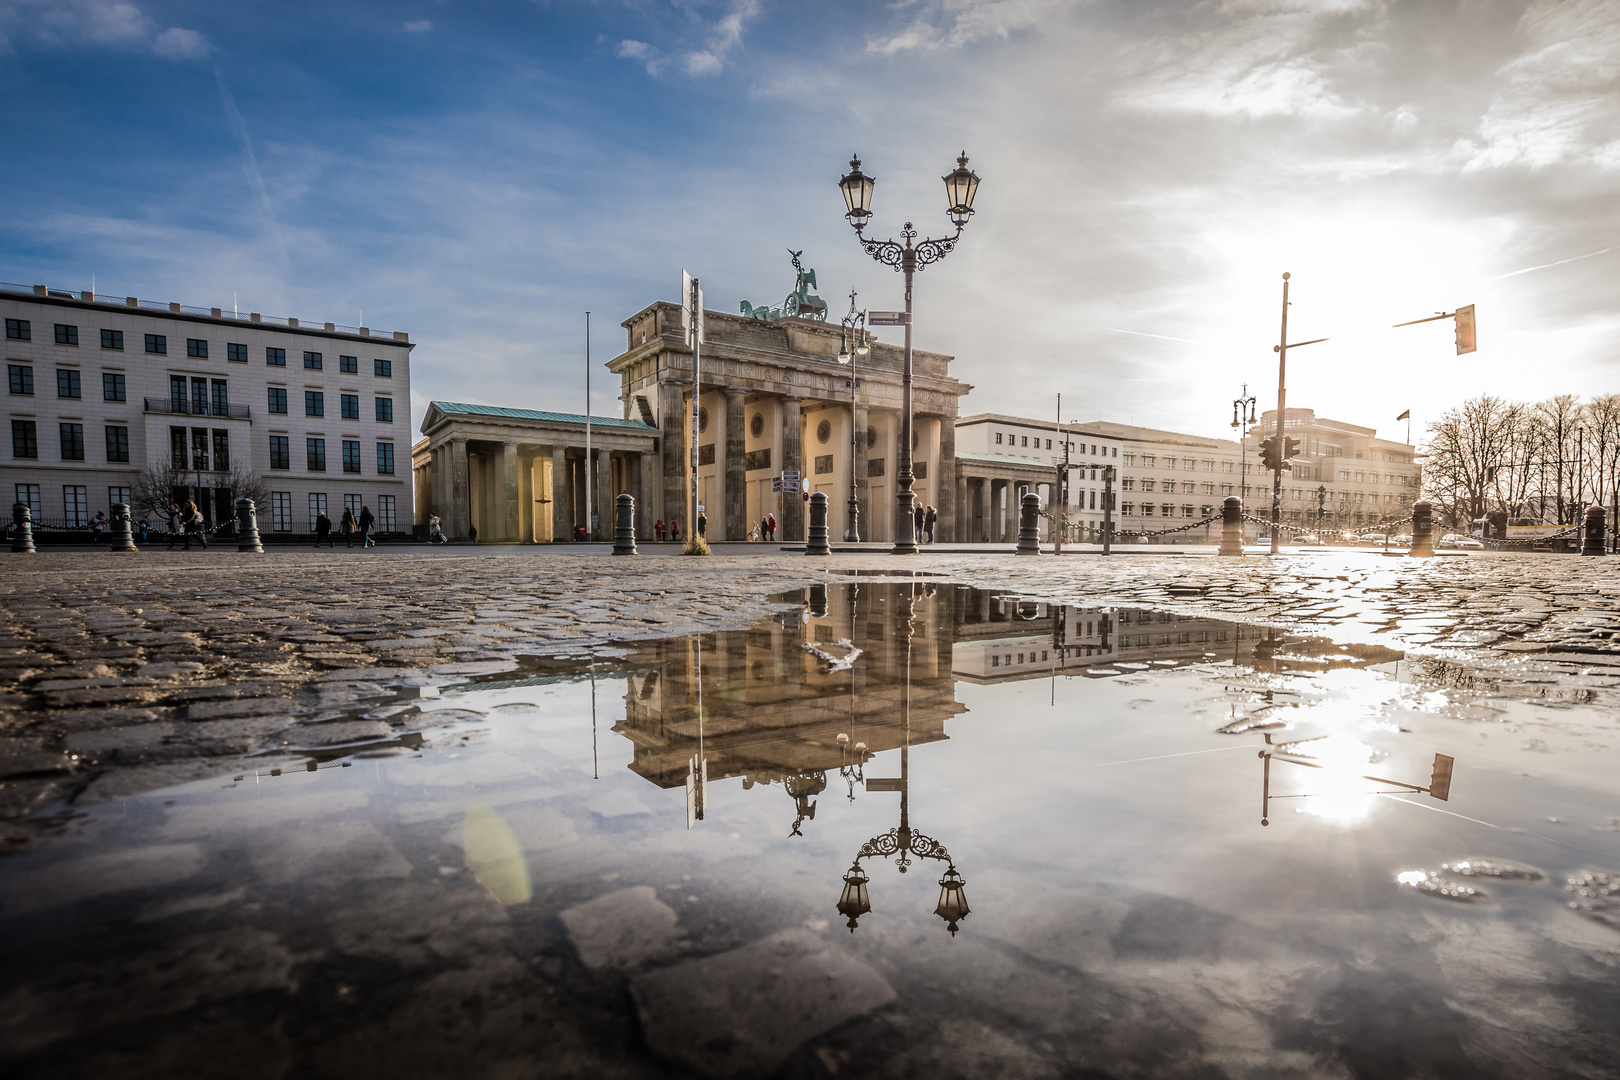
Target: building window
pixel 177 393
pixel 72 441
pixel 349 365
pixel 1226 466
pixel 385 459
pixel 1147 509
pixel 177 448
pixel 24 439
pixel 275 357
pixel 998 438
pixel 383 369
pixel 315 455
pixel 67 382
pixel 112 386
pixel 280 453
pixel 1166 510
pixel 278 399
pixel 385 410
pixel 222 401
pixel 351 455
pixel 21 378
pixel 17 330
pixel 1049 444
pixel 222 450
pixel 157 343
pixel 1026 440
pixel 281 511
pixel 824 464
pixel 235 352
pixel 28 495
pixel 385 513
pixel 75 505
pixel 199 397
pixel 317 507
pixel 312 361
pixel 1186 511
pixel 117 443
pixel 199 449
pixel 1147 485
pixel 67 335
pixel 197 347
pixel 350 404
pixel 1128 483
pixel 314 403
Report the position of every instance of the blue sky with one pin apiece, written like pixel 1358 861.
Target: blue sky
pixel 480 174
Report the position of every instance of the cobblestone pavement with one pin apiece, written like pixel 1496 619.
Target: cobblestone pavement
pixel 123 673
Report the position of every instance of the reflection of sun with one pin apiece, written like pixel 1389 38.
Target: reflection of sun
pixel 1339 794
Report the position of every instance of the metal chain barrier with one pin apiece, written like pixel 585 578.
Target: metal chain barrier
pixel 1573 530
pixel 1166 532
pixel 1381 526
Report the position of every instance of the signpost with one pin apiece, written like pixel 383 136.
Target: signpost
pixel 887 318
pixel 692 323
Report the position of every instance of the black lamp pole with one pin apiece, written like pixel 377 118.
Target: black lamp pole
pixel 961 185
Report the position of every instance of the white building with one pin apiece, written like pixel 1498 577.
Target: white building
pixel 101 387
pixel 1000 457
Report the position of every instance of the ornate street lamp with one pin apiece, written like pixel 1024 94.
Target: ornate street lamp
pixel 854 326
pixel 1242 417
pixel 854 902
pixel 961 185
pixel 953 905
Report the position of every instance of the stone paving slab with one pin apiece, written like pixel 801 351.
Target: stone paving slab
pixel 114 668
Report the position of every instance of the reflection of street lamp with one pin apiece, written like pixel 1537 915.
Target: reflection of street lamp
pixel 961 184
pixel 854 325
pixel 953 905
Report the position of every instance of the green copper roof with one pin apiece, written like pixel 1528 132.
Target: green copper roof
pixel 456 408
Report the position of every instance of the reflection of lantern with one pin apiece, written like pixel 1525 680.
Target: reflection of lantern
pixel 953 905
pixel 854 903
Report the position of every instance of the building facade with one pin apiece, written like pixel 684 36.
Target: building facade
pixel 1002 457
pixel 102 389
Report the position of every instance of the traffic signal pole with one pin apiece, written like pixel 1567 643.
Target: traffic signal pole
pixel 1281 460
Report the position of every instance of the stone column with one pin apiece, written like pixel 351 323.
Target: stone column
pixel 602 494
pixel 672 448
pixel 526 499
pixel 735 525
pixel 945 487
pixel 459 519
pixel 506 494
pixel 858 419
pixel 649 495
pixel 964 515
pixel 559 493
pixel 793 458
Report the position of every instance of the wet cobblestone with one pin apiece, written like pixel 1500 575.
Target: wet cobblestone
pixel 125 673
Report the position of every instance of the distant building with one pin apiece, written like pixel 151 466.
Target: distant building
pixel 1000 457
pixel 102 387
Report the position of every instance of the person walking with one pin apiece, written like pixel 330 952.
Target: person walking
pixel 436 530
pixel 770 527
pixel 95 528
pixel 674 530
pixel 194 525
pixel 930 519
pixel 174 524
pixel 917 522
pixel 367 520
pixel 703 524
pixel 346 527
pixel 658 529
pixel 143 527
pixel 323 529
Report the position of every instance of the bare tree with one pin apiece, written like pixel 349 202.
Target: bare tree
pixel 1467 447
pixel 158 485
pixel 1561 417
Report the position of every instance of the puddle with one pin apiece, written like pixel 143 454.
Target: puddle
pixel 904 828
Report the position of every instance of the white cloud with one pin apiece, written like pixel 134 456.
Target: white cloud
pixel 420 26
pixel 950 24
pixel 1561 102
pixel 722 38
pixel 177 43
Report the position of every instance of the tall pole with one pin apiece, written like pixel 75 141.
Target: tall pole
pixel 905 533
pixel 1282 406
pixel 590 518
pixel 1060 501
pixel 692 491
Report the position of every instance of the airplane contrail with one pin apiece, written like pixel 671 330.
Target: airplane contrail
pixel 1161 337
pixel 1544 266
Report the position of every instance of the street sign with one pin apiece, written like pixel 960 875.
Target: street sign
pixel 776 484
pixel 886 318
pixel 790 474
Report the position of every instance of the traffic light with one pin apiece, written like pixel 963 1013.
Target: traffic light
pixel 1465 329
pixel 1268 453
pixel 1290 448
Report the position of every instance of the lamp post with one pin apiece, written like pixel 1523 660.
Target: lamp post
pixel 961 184
pixel 854 325
pixel 1242 417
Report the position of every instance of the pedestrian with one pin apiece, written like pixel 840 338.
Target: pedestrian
pixel 95 528
pixel 472 533
pixel 930 518
pixel 436 530
pixel 346 526
pixel 367 520
pixel 143 528
pixel 764 528
pixel 323 529
pixel 674 530
pixel 658 529
pixel 703 524
pixel 174 524
pixel 194 524
pixel 770 526
pixel 917 521
pixel 579 533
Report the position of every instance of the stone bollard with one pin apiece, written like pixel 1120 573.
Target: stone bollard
pixel 1422 528
pixel 1596 518
pixel 247 527
pixel 1232 526
pixel 817 542
pixel 123 539
pixel 1029 524
pixel 624 525
pixel 22 528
